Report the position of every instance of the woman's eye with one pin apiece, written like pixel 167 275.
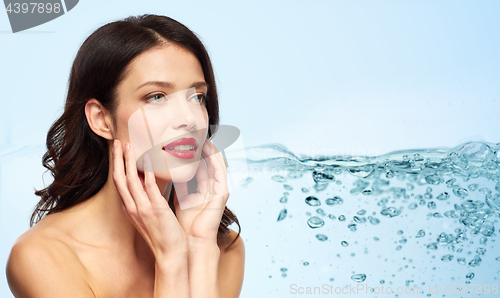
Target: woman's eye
pixel 199 97
pixel 156 97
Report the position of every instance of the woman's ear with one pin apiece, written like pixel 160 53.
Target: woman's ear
pixel 99 119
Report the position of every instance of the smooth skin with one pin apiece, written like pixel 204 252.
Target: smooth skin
pixel 125 241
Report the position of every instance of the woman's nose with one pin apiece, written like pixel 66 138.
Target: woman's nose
pixel 184 115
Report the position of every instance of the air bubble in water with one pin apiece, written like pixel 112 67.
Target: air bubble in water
pixel 344 243
pixel 475 262
pixel 358 219
pixel 443 239
pixel 320 178
pixel 451 214
pixel 473 187
pixel 420 234
pixel 390 212
pixel 342 218
pixel 494 203
pixel 359 277
pixel 312 201
pixel 443 196
pixel 334 201
pixel 437 215
pixel 487 228
pixel 373 220
pixel 282 215
pixel 352 227
pixel 322 237
pixel 432 246
pixel 361 212
pixel 447 258
pixel 461 192
pixel 315 222
pixel 475 153
pixel 434 179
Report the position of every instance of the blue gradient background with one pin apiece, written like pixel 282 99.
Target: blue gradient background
pixel 322 77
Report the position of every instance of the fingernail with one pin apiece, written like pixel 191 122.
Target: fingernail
pixel 127 147
pixel 115 144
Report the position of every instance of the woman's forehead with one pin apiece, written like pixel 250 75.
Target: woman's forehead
pixel 169 63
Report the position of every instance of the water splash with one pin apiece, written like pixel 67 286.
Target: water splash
pixel 445 200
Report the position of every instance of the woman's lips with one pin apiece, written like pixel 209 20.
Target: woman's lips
pixel 183 154
pixel 183 141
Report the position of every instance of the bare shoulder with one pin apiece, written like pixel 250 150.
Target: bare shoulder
pixel 224 241
pixel 231 265
pixel 41 265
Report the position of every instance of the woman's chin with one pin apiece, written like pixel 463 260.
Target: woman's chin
pixel 179 174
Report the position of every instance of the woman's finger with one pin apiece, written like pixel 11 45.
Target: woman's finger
pixel 218 173
pixel 210 171
pixel 202 177
pixel 134 184
pixel 216 165
pixel 120 179
pixel 152 190
pixel 216 156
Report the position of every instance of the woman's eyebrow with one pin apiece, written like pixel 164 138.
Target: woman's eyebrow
pixel 171 85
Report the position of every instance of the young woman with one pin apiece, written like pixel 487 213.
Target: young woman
pixel 103 227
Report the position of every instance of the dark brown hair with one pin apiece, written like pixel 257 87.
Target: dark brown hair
pixel 78 158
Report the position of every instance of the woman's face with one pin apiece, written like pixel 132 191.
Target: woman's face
pixel 160 101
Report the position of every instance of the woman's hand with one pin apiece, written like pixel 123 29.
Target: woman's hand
pixel 146 207
pixel 201 219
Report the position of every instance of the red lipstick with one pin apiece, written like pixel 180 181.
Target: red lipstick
pixel 184 148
